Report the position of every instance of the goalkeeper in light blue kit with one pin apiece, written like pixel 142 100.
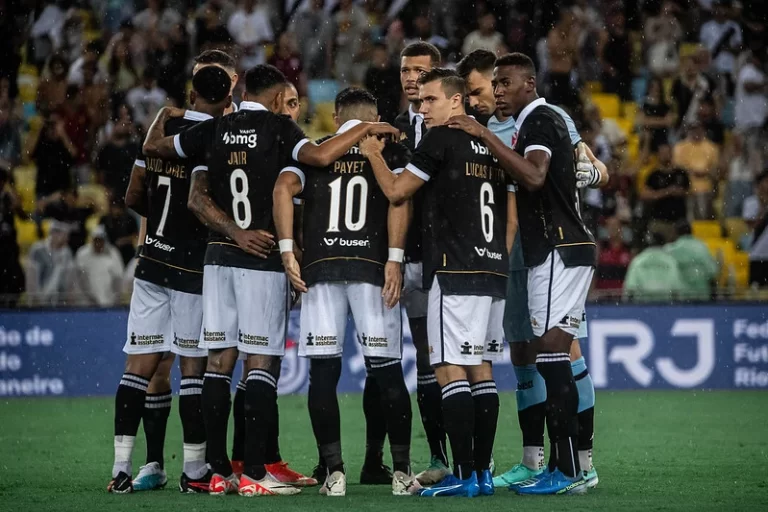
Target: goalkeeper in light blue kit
pixel 477 69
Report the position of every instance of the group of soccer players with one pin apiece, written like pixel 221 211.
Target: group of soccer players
pixel 244 214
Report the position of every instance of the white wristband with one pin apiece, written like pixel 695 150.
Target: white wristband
pixel 286 245
pixel 396 255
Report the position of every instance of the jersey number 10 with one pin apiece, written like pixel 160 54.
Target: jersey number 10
pixel 355 184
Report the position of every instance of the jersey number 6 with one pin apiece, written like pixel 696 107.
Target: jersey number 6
pixel 486 212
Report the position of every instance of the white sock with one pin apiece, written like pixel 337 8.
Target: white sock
pixel 585 460
pixel 123 451
pixel 194 460
pixel 533 457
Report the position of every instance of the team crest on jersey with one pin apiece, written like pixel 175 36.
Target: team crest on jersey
pixel 513 143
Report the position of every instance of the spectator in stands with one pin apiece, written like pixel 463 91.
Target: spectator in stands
pixel 99 270
pixel 614 258
pixel 740 177
pixel 700 158
pixel 78 127
pixel 663 35
pixel 751 109
pixel 11 274
pixel 714 129
pixel 45 31
pixel 52 89
pixel 653 275
pixel 115 159
pixel 421 30
pixel 157 20
pixel 88 59
pixel 50 268
pixel 65 207
pixel 250 28
pixel 211 24
pixel 171 58
pixel 313 29
pixel 287 59
pixel 53 154
pixel 95 96
pixel 615 55
pixel 689 89
pixel 10 136
pixel 485 37
pixel 664 196
pixel 350 31
pixel 756 215
pixel 383 80
pixel 722 37
pixel 562 53
pixel 607 128
pixel 121 70
pixel 656 118
pixel 698 269
pixel 146 99
pixel 121 228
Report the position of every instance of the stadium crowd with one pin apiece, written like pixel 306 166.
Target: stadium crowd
pixel 671 95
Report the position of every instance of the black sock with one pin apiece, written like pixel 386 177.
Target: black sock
pixel 129 404
pixel 428 396
pixel 238 417
pixel 562 407
pixel 272 453
pixel 375 423
pixel 157 408
pixel 216 406
pixel 396 403
pixel 260 399
pixel 191 410
pixel 459 421
pixel 486 400
pixel 323 403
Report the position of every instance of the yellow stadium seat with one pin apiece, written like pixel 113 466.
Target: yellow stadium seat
pixel 740 260
pixel 96 194
pixel 26 234
pixel 594 87
pixel 629 111
pixel 608 104
pixel 626 125
pixel 709 229
pixel 736 228
pixel 721 249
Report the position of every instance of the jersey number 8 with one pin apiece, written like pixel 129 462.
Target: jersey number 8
pixel 238 184
pixel 350 223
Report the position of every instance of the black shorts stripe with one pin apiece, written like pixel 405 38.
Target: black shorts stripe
pixel 442 327
pixel 549 290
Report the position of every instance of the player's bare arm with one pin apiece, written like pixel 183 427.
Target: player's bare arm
pixel 156 144
pixel 256 242
pixel 398 219
pixel 397 187
pixel 287 187
pixel 136 194
pixel 322 155
pixel 511 220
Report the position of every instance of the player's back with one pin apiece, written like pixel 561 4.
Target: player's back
pixel 345 219
pixel 174 247
pixel 465 214
pixel 550 217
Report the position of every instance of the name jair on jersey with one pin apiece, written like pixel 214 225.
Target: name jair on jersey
pixel 172 168
pixel 238 158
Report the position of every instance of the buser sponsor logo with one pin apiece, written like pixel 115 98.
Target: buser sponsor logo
pixel 346 243
pixel 248 139
pixel 483 252
pixel 157 244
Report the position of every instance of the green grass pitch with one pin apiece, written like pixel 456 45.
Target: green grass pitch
pixel 653 450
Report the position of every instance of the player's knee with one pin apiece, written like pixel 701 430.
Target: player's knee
pixel 575 350
pixel 554 340
pixel 143 365
pixel 221 361
pixel 192 366
pixel 388 374
pixel 262 362
pixel 480 373
pixel 324 374
pixel 447 373
pixel 522 354
pixel 584 384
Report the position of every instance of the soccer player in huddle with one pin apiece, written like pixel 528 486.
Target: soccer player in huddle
pixel 415 60
pixel 466 239
pixel 246 299
pixel 166 307
pixel 353 249
pixel 477 68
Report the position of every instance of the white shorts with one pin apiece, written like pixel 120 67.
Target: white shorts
pixel 583 333
pixel 414 298
pixel 464 330
pixel 324 312
pixel 163 320
pixel 557 294
pixel 247 309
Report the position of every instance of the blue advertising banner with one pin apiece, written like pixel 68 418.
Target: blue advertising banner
pixel 79 352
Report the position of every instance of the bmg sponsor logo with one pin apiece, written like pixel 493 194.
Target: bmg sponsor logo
pixel 246 139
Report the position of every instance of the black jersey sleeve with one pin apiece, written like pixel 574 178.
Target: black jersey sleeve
pixel 397 156
pixel 429 155
pixel 539 133
pixel 196 142
pixel 290 139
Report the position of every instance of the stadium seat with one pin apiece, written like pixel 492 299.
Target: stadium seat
pixel 629 111
pixel 626 125
pixel 722 249
pixel 707 229
pixel 737 230
pixel 26 234
pixel 594 87
pixel 608 104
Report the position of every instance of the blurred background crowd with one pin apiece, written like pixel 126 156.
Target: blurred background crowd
pixel 670 94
